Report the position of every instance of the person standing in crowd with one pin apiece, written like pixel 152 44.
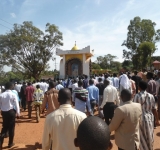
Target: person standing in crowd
pixel 80 98
pixel 85 82
pixel 50 99
pixel 136 79
pixel 125 83
pixel 110 96
pixel 133 86
pixel 9 107
pixel 107 77
pixel 38 98
pixel 125 123
pixel 62 124
pixel 115 81
pixel 23 96
pixel 17 88
pixel 100 86
pixel 158 92
pixel 29 98
pixel 44 86
pixel 74 85
pixel 92 139
pixel 93 92
pixel 151 88
pixel 59 85
pixel 147 121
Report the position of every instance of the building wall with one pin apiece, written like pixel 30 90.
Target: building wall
pixel 85 62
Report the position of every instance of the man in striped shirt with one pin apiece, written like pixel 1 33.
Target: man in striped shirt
pixel 80 97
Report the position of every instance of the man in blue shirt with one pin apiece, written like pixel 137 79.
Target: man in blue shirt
pixel 93 93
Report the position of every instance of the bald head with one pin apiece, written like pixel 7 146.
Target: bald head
pixel 126 95
pixel 64 96
pixel 92 134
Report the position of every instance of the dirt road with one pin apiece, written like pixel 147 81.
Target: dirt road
pixel 28 134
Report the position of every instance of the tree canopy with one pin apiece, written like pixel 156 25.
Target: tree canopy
pixel 28 49
pixel 106 61
pixel 141 39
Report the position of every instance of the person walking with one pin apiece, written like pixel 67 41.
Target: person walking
pixel 125 123
pixel 93 92
pixel 147 121
pixel 9 108
pixel 50 99
pixel 110 97
pixel 29 97
pixel 158 93
pixel 38 98
pixel 61 125
pixel 23 96
pixel 80 98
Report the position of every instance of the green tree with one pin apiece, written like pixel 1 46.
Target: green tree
pixel 146 50
pixel 139 31
pixel 109 60
pixel 127 64
pixel 95 66
pixel 28 49
pixel 116 66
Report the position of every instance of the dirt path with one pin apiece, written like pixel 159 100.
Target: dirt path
pixel 28 134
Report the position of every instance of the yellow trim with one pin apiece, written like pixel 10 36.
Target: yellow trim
pixel 79 56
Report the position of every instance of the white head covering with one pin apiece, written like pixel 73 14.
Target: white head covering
pixel 125 82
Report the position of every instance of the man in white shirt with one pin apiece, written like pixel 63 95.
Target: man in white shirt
pixel 74 85
pixel 9 107
pixel 62 124
pixel 110 95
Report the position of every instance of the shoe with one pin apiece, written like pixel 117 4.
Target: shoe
pixel 10 145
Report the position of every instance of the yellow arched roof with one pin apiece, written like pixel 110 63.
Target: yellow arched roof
pixel 75 47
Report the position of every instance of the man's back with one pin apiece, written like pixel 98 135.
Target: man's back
pixel 101 87
pixel 93 92
pixel 62 125
pixel 126 124
pixel 151 88
pixel 29 93
pixel 116 82
pixel 51 98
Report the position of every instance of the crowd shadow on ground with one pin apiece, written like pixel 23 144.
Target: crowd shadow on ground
pixel 158 134
pixel 27 147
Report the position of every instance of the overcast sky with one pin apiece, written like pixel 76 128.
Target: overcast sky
pixel 102 24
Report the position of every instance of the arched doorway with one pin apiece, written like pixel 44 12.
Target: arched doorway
pixel 73 67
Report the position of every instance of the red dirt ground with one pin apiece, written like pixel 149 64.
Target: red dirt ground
pixel 28 134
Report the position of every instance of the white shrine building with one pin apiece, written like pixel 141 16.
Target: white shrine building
pixel 75 62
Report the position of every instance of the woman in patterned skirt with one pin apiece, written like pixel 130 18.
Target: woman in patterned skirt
pixel 147 102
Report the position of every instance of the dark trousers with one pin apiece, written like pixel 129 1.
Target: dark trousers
pixel 29 108
pixel 8 125
pixel 23 103
pixel 108 111
pixel 93 105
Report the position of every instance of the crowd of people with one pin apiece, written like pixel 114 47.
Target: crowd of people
pixel 89 109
